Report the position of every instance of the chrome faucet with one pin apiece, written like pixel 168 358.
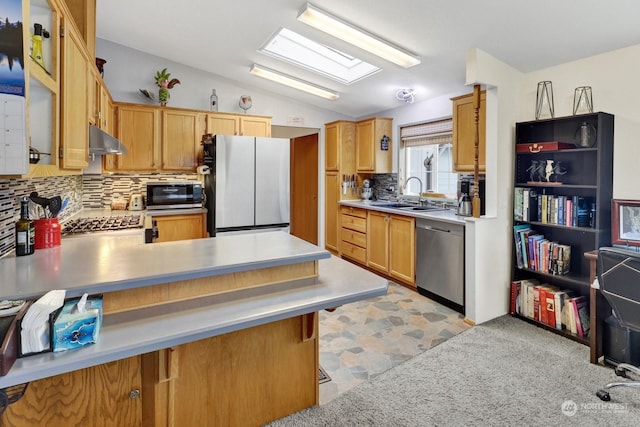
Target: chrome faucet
pixel 404 187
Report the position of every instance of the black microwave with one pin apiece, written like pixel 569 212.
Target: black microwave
pixel 174 195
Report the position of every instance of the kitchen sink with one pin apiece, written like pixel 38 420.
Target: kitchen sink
pixel 423 208
pixel 384 204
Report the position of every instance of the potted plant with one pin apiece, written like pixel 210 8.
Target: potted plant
pixel 164 82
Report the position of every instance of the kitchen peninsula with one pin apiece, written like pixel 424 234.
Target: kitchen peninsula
pixel 218 331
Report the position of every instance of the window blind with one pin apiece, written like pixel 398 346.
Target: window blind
pixel 436 132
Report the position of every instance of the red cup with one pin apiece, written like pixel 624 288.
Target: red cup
pixel 48 233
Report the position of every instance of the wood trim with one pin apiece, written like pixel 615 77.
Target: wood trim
pixel 132 299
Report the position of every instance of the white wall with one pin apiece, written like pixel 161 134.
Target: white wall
pixel 613 79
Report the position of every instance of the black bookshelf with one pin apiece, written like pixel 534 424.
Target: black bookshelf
pixel 588 174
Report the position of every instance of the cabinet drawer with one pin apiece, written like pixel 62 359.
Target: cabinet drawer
pixel 354 237
pixel 354 252
pixel 354 223
pixel 348 210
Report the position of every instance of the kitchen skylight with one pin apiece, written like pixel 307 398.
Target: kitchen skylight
pixel 298 50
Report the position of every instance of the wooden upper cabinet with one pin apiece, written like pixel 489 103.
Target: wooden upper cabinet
pixel 464 133
pixel 138 128
pixel 223 124
pixel 340 146
pixel 181 135
pixel 74 141
pixel 255 126
pixel 92 95
pixel 373 145
pixel 235 124
pixel 83 13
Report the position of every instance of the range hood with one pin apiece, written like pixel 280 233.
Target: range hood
pixel 101 142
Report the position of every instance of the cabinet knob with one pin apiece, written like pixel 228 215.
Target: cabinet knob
pixel 134 394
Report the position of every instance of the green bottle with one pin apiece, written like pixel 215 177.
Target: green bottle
pixel 25 231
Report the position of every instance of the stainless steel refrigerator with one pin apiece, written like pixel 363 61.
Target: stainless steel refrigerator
pixel 248 185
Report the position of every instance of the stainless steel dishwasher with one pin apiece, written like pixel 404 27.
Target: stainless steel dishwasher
pixel 440 262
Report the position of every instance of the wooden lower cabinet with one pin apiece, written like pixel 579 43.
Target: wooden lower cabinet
pixel 402 248
pixel 353 233
pixel 105 395
pixel 244 378
pixel 391 245
pixel 181 227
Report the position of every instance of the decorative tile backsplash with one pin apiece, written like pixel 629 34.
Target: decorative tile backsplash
pixel 99 190
pixel 83 191
pixel 385 186
pixel 12 190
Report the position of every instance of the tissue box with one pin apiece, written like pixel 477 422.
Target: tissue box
pixel 72 329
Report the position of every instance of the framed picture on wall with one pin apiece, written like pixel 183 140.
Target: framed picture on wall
pixel 625 218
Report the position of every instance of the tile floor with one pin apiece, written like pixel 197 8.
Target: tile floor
pixel 361 340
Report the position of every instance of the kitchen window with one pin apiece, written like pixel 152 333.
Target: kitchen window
pixel 426 153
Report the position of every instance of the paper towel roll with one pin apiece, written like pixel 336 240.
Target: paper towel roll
pixel 203 170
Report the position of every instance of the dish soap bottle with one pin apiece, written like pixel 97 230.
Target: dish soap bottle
pixel 25 231
pixel 213 101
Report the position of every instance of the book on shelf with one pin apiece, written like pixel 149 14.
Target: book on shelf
pixel 542 295
pixel 525 286
pixel 551 305
pixel 581 313
pixel 558 303
pixel 536 302
pixel 515 301
pixel 517 237
pixel 533 206
pixel 518 193
pixel 561 206
pixel 568 212
pixel 532 249
pixel 530 313
pixel 525 204
pixel 564 313
pixel 545 209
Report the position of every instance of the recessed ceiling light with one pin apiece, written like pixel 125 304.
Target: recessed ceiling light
pixel 337 27
pixel 293 82
pixel 298 50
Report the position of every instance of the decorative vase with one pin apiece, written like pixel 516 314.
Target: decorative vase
pixel 213 101
pixel 582 100
pixel 245 102
pixel 544 100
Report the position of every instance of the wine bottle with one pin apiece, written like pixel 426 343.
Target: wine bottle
pixel 213 101
pixel 25 231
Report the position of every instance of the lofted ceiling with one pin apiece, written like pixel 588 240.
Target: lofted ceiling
pixel 223 38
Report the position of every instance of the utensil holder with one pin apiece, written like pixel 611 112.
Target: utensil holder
pixel 48 233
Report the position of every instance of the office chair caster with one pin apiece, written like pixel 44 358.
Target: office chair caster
pixel 603 395
pixel 621 372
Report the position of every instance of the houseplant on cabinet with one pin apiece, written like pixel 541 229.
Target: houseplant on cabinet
pixel 164 82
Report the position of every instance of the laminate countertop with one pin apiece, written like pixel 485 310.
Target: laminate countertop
pixel 446 215
pixel 108 263
pixel 103 264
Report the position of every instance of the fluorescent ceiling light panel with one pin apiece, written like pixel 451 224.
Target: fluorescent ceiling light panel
pixel 298 50
pixel 337 27
pixel 293 82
